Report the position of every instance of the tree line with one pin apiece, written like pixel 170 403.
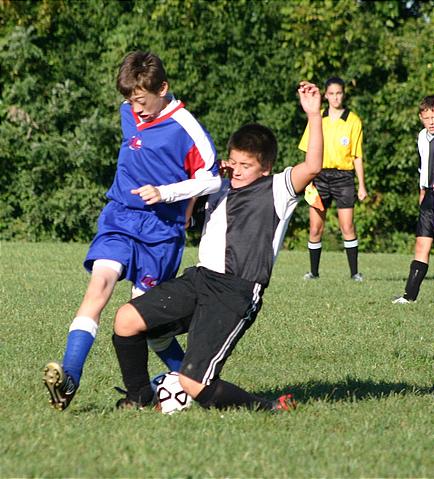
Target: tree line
pixel 231 62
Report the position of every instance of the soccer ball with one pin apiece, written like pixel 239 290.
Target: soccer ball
pixel 171 397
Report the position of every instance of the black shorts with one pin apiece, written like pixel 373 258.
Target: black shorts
pixel 215 309
pixel 338 185
pixel 425 223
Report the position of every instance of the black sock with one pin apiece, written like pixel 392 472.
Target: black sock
pixel 352 250
pixel 221 395
pixel 314 255
pixel 132 353
pixel 417 273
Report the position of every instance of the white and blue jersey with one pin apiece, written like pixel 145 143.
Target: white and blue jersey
pixel 173 153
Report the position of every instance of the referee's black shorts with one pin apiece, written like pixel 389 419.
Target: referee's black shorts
pixel 215 309
pixel 338 185
pixel 425 223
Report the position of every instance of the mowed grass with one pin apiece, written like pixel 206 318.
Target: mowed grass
pixel 360 367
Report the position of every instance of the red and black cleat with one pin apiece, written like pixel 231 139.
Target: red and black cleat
pixel 284 403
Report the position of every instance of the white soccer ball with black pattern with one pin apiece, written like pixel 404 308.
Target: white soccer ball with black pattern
pixel 170 395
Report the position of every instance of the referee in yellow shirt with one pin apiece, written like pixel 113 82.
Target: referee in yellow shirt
pixel 342 130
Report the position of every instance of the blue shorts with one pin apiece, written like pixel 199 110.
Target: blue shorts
pixel 149 248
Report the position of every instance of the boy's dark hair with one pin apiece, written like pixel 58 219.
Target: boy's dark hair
pixel 142 70
pixel 256 140
pixel 335 81
pixel 427 104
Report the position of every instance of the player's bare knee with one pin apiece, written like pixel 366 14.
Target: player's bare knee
pixel 315 234
pixel 348 232
pixel 422 249
pixel 128 321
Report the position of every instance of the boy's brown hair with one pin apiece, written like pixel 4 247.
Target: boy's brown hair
pixel 256 140
pixel 140 70
pixel 427 104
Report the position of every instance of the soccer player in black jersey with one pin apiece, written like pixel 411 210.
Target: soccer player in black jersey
pixel 219 299
pixel 425 224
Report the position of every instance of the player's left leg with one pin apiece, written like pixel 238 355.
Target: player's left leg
pixel 222 395
pixel 418 267
pixel 424 241
pixel 226 308
pixel 351 244
pixel 62 380
pixel 164 309
pixel 344 192
pixel 167 349
pixel 129 341
pixel 317 220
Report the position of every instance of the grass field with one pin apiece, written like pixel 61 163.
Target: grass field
pixel 360 367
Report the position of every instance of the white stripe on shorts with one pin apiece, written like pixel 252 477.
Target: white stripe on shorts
pixel 108 263
pixel 210 372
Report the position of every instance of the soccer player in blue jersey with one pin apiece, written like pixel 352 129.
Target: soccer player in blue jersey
pixel 218 301
pixel 166 158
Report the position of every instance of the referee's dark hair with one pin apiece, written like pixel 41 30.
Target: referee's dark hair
pixel 256 140
pixel 335 81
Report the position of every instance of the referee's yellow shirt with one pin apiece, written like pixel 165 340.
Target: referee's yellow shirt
pixel 342 140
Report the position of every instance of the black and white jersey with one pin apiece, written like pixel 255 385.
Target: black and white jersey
pixel 244 227
pixel 423 142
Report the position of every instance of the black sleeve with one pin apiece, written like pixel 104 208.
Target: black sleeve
pixel 198 215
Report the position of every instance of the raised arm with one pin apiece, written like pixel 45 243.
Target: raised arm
pixel 303 173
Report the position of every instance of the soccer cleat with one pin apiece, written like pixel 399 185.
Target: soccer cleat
pixel 127 403
pixel 309 276
pixel 60 386
pixel 357 277
pixel 284 403
pixel 401 300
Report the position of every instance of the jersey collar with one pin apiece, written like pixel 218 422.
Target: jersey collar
pixel 166 113
pixel 344 115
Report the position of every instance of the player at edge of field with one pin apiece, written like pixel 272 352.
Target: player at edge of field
pixel 219 299
pixel 343 136
pixel 425 223
pixel 166 158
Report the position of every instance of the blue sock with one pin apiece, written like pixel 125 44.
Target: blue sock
pixel 172 356
pixel 79 342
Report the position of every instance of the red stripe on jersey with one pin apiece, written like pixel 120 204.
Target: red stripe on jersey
pixel 193 161
pixel 141 125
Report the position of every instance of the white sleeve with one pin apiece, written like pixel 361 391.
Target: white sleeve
pixel 204 183
pixel 283 193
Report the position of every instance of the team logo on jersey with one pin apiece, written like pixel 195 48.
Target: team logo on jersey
pixel 135 143
pixel 148 281
pixel 345 141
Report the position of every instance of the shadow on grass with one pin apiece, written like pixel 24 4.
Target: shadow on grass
pixel 348 390
pixel 396 278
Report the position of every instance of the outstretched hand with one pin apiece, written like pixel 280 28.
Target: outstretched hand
pixel 310 97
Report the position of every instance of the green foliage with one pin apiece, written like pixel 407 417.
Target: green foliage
pixel 232 62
